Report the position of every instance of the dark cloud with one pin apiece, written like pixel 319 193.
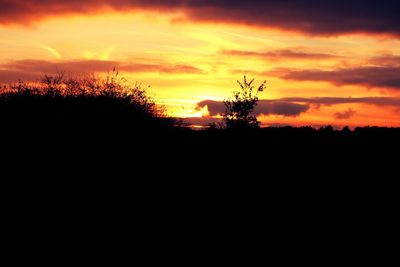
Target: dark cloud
pixel 386 60
pixel 282 54
pixel 214 107
pixel 330 101
pixel 265 107
pixel 295 106
pixel 309 16
pixel 345 114
pixel 286 109
pixel 369 76
pixel 29 70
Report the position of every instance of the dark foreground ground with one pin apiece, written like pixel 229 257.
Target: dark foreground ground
pixel 114 139
pixel 83 143
pixel 280 185
pixel 95 172
pixel 98 124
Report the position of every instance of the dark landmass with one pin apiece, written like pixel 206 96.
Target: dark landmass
pixel 109 120
pixel 100 152
pixel 106 124
pixel 103 126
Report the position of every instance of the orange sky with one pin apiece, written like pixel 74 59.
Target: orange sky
pixel 186 62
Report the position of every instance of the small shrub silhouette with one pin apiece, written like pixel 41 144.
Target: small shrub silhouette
pixel 82 100
pixel 238 114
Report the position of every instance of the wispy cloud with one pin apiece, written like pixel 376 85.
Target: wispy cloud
pixel 51 50
pixel 280 54
pixel 98 55
pixel 369 76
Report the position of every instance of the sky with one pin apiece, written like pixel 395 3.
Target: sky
pixel 325 62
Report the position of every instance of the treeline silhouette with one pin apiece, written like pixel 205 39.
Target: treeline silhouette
pixel 78 146
pixel 106 117
pixel 103 140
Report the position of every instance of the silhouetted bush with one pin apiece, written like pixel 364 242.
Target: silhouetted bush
pixel 91 100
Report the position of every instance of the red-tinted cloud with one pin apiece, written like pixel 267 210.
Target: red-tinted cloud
pixel 10 76
pixel 169 69
pixel 330 101
pixel 295 106
pixel 345 114
pixel 369 76
pixel 29 70
pixel 309 16
pixel 282 54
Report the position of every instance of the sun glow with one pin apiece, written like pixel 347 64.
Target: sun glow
pixel 201 112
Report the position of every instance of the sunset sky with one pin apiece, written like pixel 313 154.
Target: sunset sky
pixel 326 62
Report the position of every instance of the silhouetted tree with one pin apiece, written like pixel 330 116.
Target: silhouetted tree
pixel 239 110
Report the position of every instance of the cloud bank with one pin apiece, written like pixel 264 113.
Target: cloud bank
pixel 308 16
pixel 265 107
pixel 282 54
pixel 29 70
pixel 295 106
pixel 369 76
